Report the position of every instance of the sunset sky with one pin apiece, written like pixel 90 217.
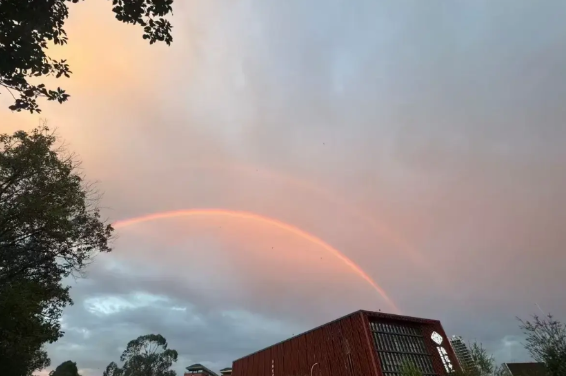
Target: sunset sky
pixel 420 144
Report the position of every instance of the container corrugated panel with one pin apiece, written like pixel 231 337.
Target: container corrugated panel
pixel 279 359
pixel 338 366
pixel 330 348
pixel 310 356
pixel 304 355
pixel 287 365
pixel 322 357
pixel 293 367
pixel 251 365
pixel 346 338
pixel 361 353
pixel 265 362
pixel 295 357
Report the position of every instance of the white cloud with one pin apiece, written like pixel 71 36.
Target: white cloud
pixel 109 305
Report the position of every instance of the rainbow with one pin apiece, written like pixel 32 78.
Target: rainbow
pixel 270 221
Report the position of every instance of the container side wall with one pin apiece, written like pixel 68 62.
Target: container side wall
pixel 361 352
pixel 339 348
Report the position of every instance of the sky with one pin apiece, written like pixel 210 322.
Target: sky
pixel 421 140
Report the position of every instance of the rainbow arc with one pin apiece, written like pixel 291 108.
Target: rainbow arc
pixel 270 221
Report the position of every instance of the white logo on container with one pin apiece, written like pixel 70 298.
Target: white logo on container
pixel 437 338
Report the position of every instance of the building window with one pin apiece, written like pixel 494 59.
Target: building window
pixel 398 344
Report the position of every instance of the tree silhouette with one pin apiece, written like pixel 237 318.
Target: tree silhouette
pixel 146 355
pixel 67 368
pixel 50 228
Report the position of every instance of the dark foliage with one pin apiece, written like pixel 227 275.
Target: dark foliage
pixel 50 225
pixel 28 318
pixel 27 27
pixel 50 228
pixel 67 368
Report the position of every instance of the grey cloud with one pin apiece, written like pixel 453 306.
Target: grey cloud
pixel 94 337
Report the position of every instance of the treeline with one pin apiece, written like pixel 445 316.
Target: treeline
pixel 145 356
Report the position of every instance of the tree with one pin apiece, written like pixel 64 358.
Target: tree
pixel 112 370
pixel 483 364
pixel 28 26
pixel 67 368
pixel 546 342
pixel 28 319
pixel 410 369
pixel 50 225
pixel 145 356
pixel 50 228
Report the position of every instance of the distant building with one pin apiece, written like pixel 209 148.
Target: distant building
pixel 525 369
pixel 362 343
pixel 226 371
pixel 462 353
pixel 199 369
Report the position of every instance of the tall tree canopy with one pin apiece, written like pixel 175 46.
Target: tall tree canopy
pixel 146 355
pixel 29 313
pixel 546 342
pixel 50 228
pixel 50 225
pixel 28 26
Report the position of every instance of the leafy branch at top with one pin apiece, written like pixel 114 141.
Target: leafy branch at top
pixel 28 26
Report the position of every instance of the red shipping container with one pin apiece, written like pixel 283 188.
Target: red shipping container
pixel 362 343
